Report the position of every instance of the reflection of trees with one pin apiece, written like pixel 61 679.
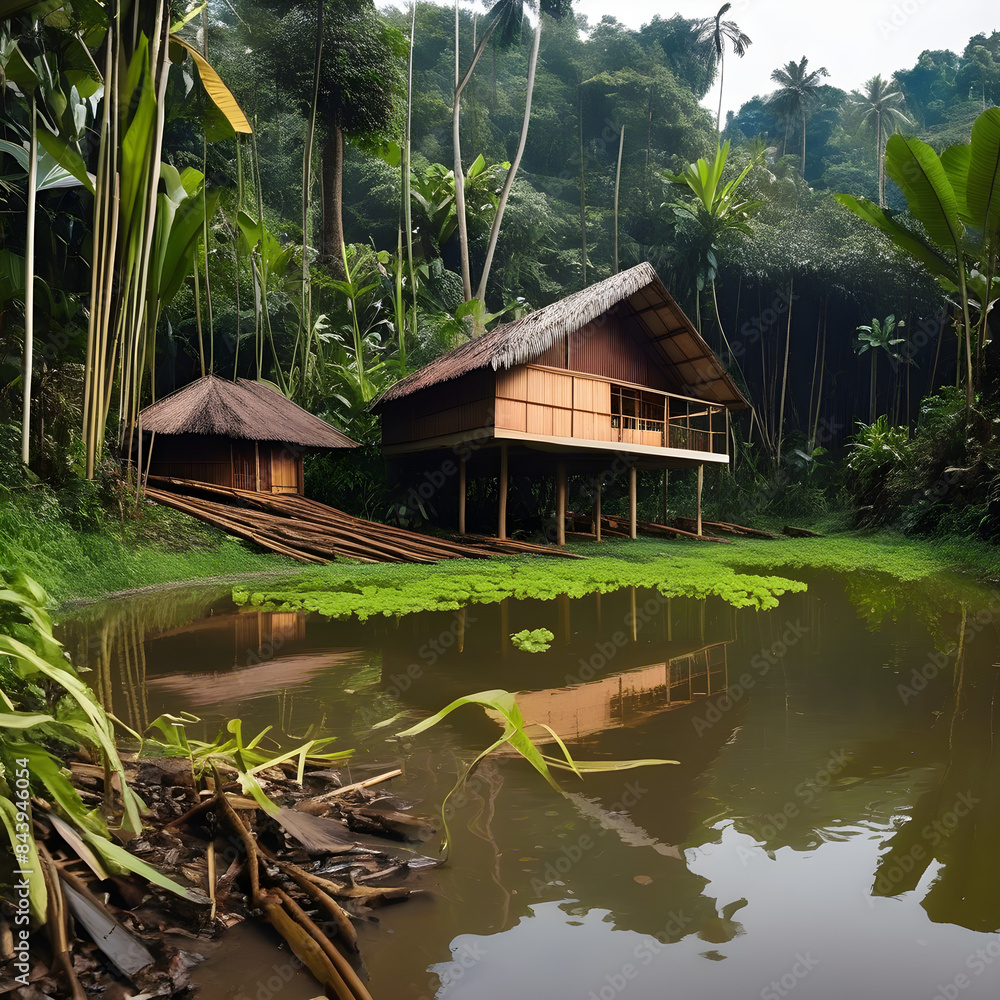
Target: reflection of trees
pixel 954 822
pixel 109 638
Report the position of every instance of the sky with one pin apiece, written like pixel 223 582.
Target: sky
pixel 853 39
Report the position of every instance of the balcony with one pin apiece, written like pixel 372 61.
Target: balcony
pixel 538 403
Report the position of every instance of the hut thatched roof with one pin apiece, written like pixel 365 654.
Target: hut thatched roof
pixel 242 409
pixel 637 293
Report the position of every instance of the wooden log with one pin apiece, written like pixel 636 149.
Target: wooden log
pixel 799 532
pixel 723 527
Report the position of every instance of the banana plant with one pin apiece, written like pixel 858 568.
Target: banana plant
pixel 717 209
pixel 955 196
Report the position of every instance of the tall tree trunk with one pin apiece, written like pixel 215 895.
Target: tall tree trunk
pixel 512 172
pixel 803 143
pixel 618 179
pixel 407 199
pixel 871 388
pixel 333 203
pixel 722 80
pixel 784 377
pixel 461 81
pixel 29 286
pixel 305 304
pixel 880 158
pixel 583 188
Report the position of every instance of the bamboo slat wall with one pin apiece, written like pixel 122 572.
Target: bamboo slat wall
pixel 461 404
pixel 242 465
pixel 610 349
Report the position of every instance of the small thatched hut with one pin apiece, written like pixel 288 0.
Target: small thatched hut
pixel 613 378
pixel 240 434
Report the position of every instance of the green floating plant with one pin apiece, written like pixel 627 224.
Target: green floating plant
pixel 536 641
pixel 504 704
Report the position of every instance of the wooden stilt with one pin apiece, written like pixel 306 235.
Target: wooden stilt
pixel 633 617
pixel 701 482
pixel 663 520
pixel 502 531
pixel 597 509
pixel 632 532
pixel 462 491
pixel 560 503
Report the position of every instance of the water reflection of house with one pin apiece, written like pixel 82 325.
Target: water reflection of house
pixel 626 698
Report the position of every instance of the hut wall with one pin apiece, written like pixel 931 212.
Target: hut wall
pixel 549 403
pixel 192 456
pixel 456 406
pixel 612 348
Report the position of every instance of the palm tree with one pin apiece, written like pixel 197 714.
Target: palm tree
pixel 879 106
pixel 796 94
pixel 718 32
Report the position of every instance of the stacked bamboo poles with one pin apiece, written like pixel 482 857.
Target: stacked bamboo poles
pixel 311 532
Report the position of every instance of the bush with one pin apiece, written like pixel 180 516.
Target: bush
pixel 877 450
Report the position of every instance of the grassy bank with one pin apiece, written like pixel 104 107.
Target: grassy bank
pixel 87 556
pixel 160 546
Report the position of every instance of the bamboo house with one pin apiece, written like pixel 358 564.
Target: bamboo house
pixel 238 434
pixel 613 378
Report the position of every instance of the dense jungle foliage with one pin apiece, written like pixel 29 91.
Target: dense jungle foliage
pixel 304 228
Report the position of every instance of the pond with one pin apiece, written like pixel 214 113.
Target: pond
pixel 831 828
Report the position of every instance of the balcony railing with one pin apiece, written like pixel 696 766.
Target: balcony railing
pixel 666 420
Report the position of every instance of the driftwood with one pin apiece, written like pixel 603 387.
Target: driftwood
pixel 723 527
pixel 610 525
pixel 799 532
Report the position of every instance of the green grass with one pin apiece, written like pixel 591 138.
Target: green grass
pixel 162 547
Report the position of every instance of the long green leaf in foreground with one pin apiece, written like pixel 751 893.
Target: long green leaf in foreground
pixel 504 704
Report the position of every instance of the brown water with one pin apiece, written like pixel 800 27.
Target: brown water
pixel 832 830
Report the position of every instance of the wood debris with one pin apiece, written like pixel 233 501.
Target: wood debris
pixel 309 531
pixel 309 876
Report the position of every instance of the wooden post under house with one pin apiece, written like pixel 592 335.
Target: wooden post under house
pixel 597 508
pixel 503 492
pixel 462 494
pixel 701 482
pixel 560 503
pixel 632 504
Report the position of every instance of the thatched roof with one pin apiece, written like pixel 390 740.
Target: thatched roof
pixel 638 292
pixel 242 409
